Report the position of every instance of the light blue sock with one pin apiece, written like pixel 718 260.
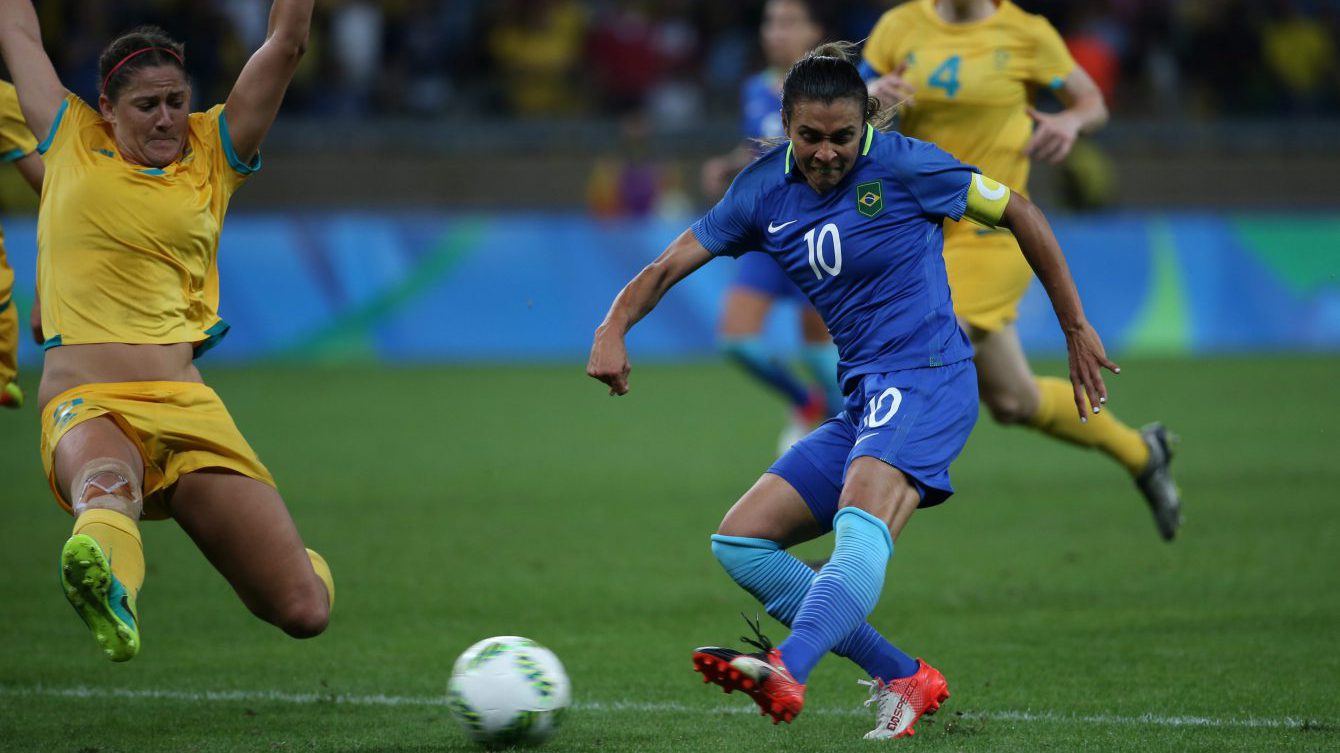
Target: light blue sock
pixel 750 353
pixel 822 362
pixel 780 582
pixel 844 592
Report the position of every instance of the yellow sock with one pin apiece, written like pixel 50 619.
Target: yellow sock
pixel 1056 416
pixel 119 538
pixel 323 572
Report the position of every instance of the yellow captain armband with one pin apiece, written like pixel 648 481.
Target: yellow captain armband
pixel 986 200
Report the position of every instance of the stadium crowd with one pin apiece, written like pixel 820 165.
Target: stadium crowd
pixel 681 59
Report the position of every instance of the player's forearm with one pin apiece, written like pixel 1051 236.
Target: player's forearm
pixel 1088 111
pixel 636 300
pixel 1043 253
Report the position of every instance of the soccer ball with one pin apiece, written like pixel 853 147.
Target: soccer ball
pixel 508 691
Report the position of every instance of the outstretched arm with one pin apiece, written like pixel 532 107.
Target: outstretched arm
pixel 1043 253
pixel 254 101
pixel 40 89
pixel 609 357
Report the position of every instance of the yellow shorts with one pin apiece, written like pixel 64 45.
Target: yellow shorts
pixel 9 323
pixel 9 340
pixel 988 275
pixel 178 427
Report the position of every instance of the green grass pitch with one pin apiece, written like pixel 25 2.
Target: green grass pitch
pixel 458 503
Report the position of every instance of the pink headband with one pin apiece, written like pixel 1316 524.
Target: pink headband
pixel 137 53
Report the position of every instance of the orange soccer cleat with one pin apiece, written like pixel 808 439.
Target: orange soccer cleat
pixel 900 703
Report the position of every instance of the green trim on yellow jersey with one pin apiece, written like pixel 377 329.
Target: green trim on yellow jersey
pixel 13 156
pixel 987 200
pixel 213 336
pixel 228 149
pixel 55 126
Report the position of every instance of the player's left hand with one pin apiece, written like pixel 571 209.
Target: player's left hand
pixel 1086 358
pixel 1053 136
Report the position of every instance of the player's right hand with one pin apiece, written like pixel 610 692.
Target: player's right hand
pixel 892 90
pixel 609 363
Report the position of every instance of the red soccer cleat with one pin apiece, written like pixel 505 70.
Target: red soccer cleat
pixel 902 702
pixel 762 675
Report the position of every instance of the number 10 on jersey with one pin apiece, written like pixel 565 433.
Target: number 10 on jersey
pixel 819 253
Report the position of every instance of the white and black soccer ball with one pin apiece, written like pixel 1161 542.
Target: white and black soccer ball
pixel 508 691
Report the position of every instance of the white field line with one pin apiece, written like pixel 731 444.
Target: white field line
pixel 275 696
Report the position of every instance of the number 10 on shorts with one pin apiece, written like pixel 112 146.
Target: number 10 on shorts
pixel 881 409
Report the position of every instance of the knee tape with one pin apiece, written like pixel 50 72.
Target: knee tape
pixel 110 482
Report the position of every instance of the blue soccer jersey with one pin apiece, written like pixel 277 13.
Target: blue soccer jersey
pixel 867 253
pixel 761 107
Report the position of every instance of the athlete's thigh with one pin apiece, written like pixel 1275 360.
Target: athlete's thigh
pixel 93 439
pixel 243 528
pixel 881 490
pixel 813 328
pixel 772 509
pixel 744 312
pixel 1002 367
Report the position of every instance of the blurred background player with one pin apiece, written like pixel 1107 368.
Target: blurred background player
pixel 965 71
pixel 132 208
pixel 17 147
pixel 790 29
pixel 854 216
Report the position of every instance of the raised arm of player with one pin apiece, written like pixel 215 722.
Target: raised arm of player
pixel 254 101
pixel 40 90
pixel 1054 134
pixel 609 356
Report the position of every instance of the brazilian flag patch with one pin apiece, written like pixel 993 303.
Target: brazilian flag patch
pixel 870 198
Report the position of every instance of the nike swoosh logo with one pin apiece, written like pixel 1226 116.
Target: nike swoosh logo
pixel 774 228
pixel 863 437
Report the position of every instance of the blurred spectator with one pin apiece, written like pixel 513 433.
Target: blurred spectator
pixel 1300 52
pixel 536 50
pixel 679 58
pixel 632 182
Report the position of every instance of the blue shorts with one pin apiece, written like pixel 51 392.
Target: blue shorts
pixel 758 272
pixel 916 420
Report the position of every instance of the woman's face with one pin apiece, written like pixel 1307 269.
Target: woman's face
pixel 788 32
pixel 825 138
pixel 150 115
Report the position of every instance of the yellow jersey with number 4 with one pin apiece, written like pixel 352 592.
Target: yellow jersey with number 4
pixel 127 253
pixel 973 81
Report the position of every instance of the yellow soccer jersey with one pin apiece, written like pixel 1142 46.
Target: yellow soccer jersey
pixel 127 254
pixel 16 142
pixel 972 81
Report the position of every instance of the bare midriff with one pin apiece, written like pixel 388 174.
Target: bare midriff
pixel 70 366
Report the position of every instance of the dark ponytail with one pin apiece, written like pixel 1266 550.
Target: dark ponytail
pixel 826 74
pixel 144 47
